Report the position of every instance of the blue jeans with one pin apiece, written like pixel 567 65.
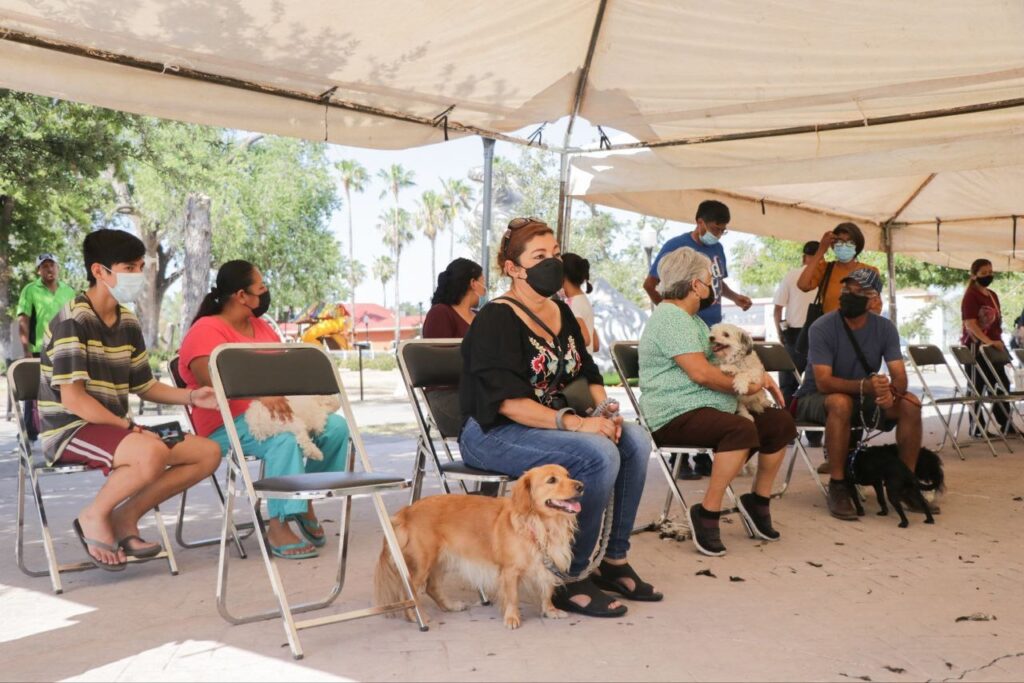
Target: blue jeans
pixel 603 467
pixel 282 456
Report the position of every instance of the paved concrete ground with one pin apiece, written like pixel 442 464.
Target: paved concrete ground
pixel 832 601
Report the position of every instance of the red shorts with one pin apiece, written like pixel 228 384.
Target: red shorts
pixel 93 446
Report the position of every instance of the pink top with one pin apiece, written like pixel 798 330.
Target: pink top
pixel 202 338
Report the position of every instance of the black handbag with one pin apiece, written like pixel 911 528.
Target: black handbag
pixel 814 311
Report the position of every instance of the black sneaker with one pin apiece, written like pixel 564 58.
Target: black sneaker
pixel 702 464
pixel 705 533
pixel 758 518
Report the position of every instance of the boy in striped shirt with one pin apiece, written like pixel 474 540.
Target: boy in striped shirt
pixel 93 356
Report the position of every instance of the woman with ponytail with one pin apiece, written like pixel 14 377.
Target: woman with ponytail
pixel 460 287
pixel 983 326
pixel 577 274
pixel 232 313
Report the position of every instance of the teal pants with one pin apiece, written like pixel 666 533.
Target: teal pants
pixel 282 456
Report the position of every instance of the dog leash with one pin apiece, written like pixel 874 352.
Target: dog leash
pixel 595 559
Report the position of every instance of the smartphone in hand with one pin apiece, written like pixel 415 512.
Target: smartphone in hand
pixel 169 432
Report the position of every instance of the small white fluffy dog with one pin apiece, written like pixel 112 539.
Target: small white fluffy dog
pixel 309 416
pixel 734 349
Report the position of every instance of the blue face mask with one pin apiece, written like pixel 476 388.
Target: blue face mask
pixel 708 239
pixel 845 252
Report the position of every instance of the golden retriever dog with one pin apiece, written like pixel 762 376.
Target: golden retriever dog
pixel 490 542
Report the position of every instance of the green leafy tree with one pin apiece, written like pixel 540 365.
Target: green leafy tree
pixel 396 178
pixel 354 178
pixel 430 219
pixel 383 271
pixel 53 156
pixel 458 196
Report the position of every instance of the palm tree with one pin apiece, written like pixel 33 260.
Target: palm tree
pixel 353 179
pixel 458 198
pixel 431 216
pixel 384 270
pixel 396 178
pixel 394 224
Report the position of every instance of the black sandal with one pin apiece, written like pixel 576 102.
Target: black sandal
pixel 610 579
pixel 598 605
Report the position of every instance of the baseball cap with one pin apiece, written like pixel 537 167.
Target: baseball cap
pixel 866 278
pixel 43 258
pixel 811 248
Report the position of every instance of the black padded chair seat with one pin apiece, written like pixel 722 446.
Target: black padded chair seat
pixel 342 482
pixel 457 469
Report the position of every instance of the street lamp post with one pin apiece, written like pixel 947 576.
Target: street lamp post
pixel 648 240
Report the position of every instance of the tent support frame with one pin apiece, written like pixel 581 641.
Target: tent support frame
pixel 890 264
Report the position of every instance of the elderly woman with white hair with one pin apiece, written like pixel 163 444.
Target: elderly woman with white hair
pixel 688 401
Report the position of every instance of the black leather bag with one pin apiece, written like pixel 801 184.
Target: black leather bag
pixel 814 311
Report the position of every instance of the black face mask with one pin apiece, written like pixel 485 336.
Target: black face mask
pixel 984 281
pixel 707 300
pixel 546 277
pixel 852 306
pixel 264 305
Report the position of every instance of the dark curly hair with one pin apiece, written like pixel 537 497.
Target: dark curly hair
pixel 453 281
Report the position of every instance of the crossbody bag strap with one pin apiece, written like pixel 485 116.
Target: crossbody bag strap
pixel 856 347
pixel 554 341
pixel 823 285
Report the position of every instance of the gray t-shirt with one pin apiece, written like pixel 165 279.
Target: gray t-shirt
pixel 830 345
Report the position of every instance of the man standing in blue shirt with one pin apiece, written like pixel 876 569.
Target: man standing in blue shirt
pixel 712 219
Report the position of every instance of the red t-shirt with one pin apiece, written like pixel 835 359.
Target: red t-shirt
pixel 444 322
pixel 985 308
pixel 202 338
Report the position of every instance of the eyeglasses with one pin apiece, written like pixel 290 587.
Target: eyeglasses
pixel 516 224
pixel 843 243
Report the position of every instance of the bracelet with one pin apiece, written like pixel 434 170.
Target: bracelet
pixel 559 424
pixel 190 392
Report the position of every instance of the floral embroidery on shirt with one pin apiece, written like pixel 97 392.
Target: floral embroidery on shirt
pixel 544 365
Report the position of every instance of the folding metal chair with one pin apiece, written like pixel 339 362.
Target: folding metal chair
pixel 179 530
pixel 23 385
pixel 431 369
pixel 987 402
pixel 1019 354
pixel 626 359
pixel 775 358
pixel 929 355
pixel 993 356
pixel 251 370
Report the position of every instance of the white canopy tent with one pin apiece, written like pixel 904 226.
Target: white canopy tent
pixel 736 95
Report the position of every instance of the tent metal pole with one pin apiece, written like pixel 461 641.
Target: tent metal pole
pixel 890 263
pixel 485 214
pixel 581 88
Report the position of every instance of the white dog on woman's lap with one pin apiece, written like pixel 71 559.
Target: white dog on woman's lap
pixel 309 418
pixel 734 349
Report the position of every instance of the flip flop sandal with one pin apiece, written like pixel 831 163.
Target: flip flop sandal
pixel 598 605
pixel 282 551
pixel 307 527
pixel 610 579
pixel 86 542
pixel 150 550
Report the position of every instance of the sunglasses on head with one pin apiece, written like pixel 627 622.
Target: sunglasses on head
pixel 517 223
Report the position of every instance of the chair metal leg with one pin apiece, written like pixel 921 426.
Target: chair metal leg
pixel 671 474
pixel 53 567
pixel 179 528
pixel 810 467
pixel 172 564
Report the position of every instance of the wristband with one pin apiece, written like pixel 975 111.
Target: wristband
pixel 190 403
pixel 559 424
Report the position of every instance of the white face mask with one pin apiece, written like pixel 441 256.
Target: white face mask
pixel 127 286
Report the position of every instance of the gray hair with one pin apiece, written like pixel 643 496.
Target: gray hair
pixel 678 269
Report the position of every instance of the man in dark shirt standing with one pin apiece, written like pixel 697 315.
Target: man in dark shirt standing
pixel 839 392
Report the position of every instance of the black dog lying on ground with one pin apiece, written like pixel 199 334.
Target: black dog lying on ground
pixel 880 466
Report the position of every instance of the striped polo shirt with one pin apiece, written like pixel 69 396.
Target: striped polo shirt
pixel 112 361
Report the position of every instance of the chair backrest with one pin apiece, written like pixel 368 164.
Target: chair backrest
pixel 252 370
pixel 774 357
pixel 626 357
pixel 996 355
pixel 172 367
pixel 431 362
pixel 926 354
pixel 1019 353
pixel 963 355
pixel 23 379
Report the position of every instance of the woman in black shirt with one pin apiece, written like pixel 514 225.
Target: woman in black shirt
pixel 514 415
